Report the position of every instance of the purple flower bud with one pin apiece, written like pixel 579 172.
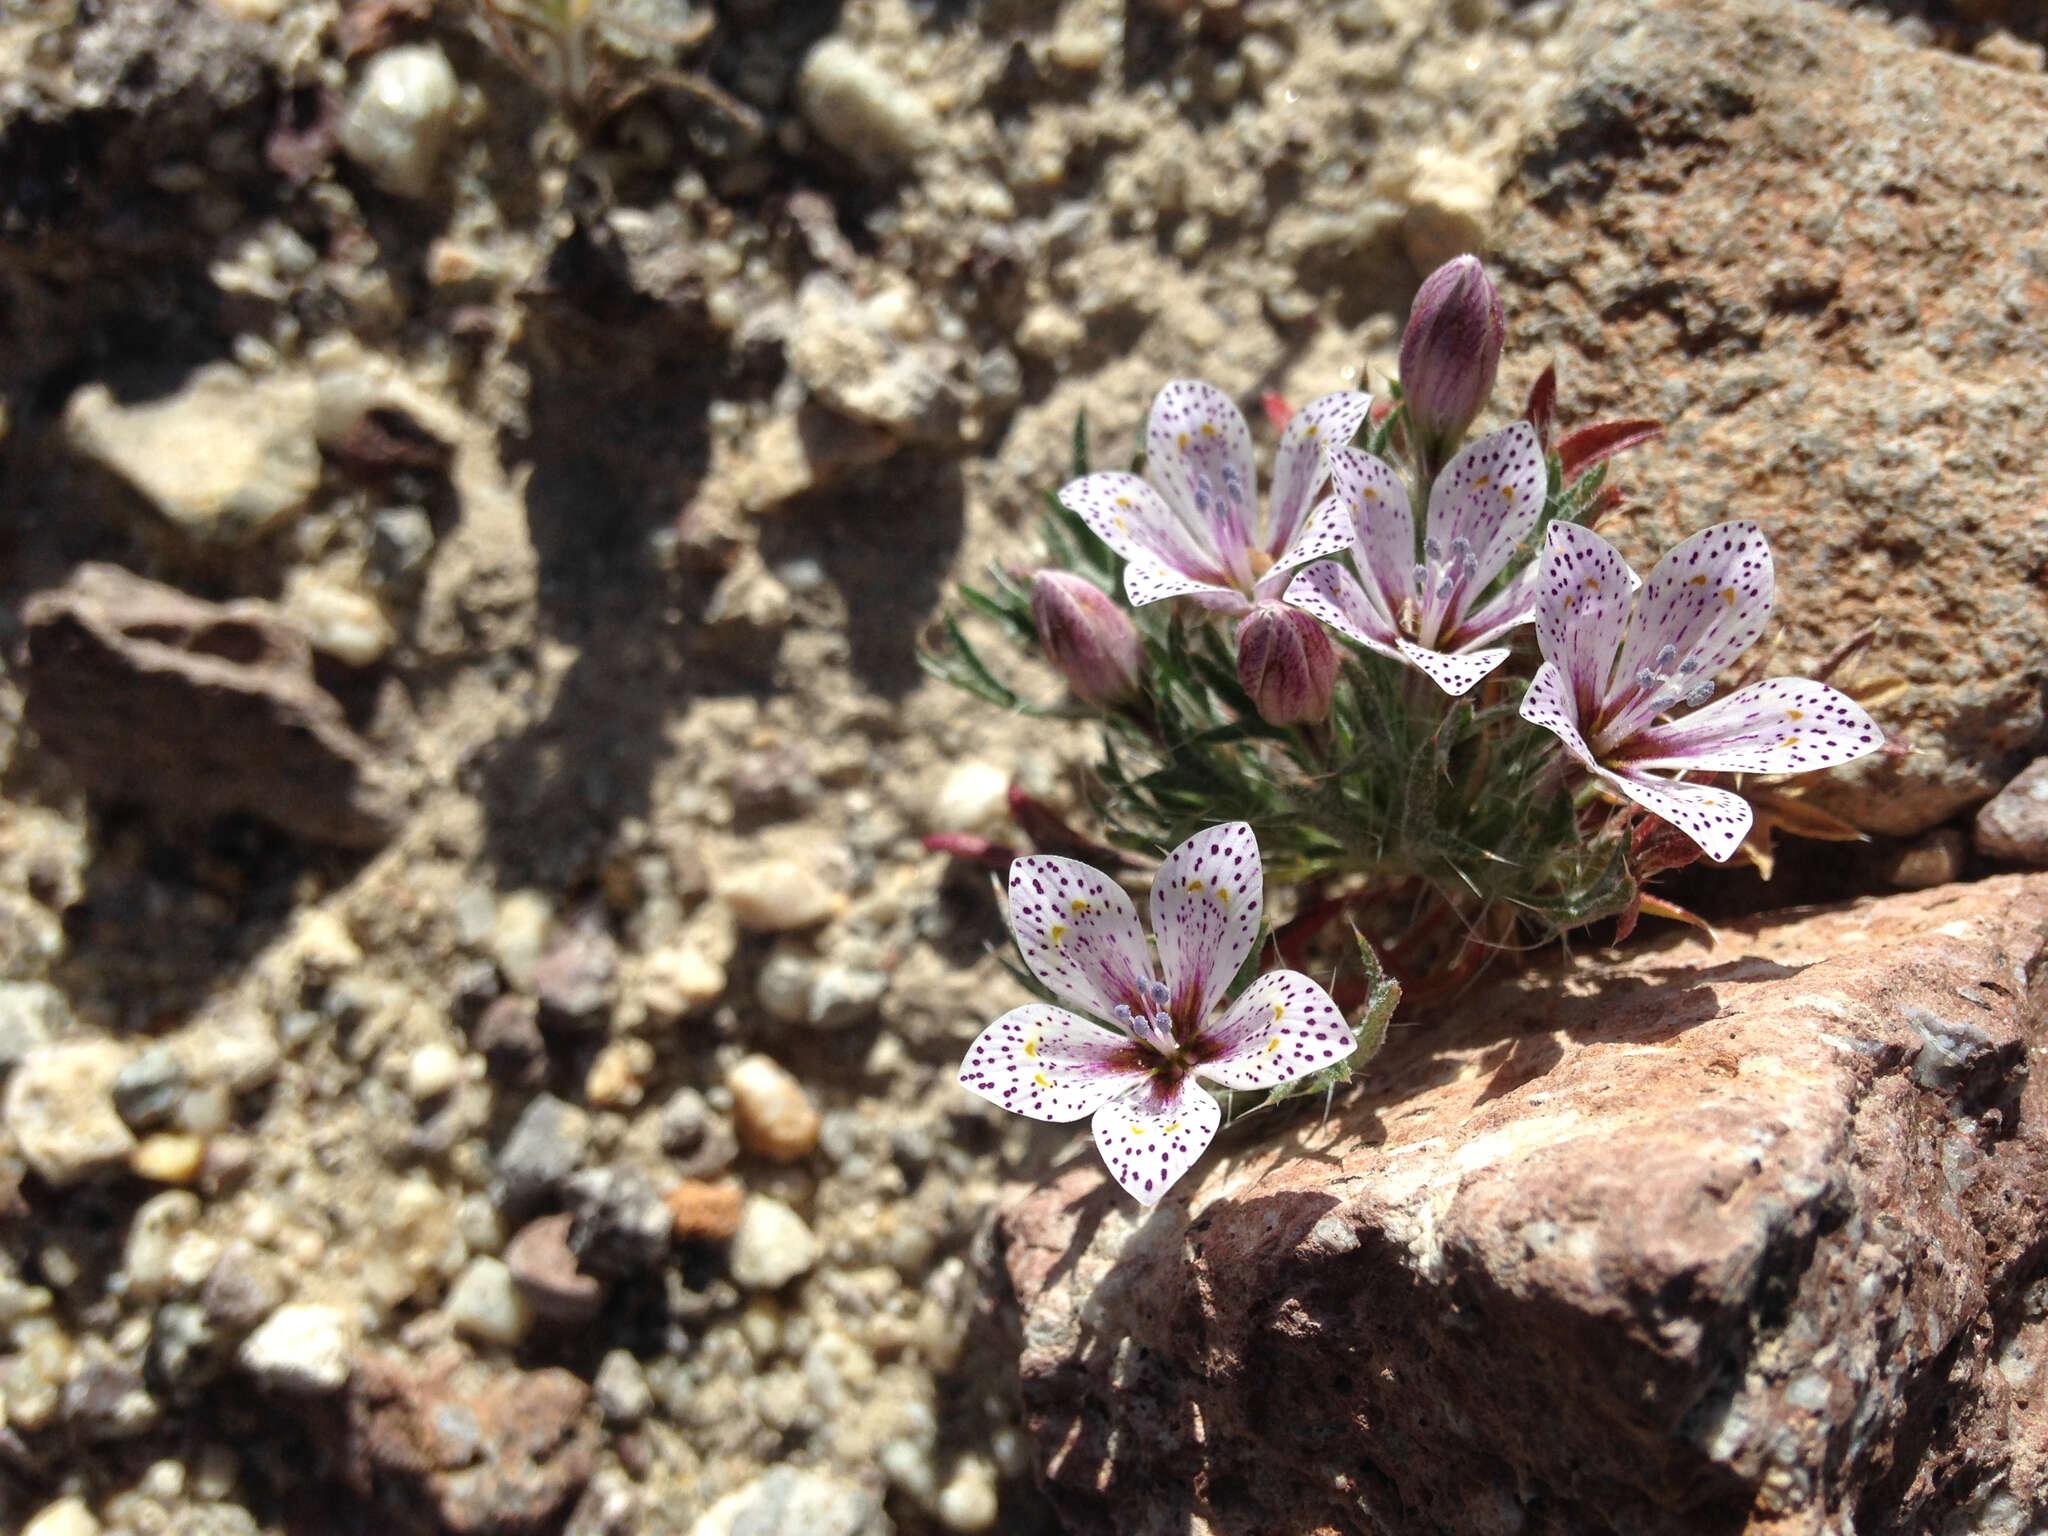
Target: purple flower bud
pixel 1088 637
pixel 1451 352
pixel 1287 664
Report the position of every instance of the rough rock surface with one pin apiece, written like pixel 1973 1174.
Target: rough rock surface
pixel 1816 253
pixel 199 708
pixel 1700 1240
pixel 2014 823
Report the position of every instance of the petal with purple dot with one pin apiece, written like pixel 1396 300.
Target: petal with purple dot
pixel 1206 901
pixel 1047 1064
pixel 1154 1134
pixel 1284 1026
pixel 1079 933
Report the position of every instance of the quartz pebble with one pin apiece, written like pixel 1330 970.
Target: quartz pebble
pixel 338 619
pixel 226 459
pixel 302 1348
pixel 969 1501
pixel 1450 204
pixel 59 1104
pixel 32 1013
pixel 621 1390
pixel 974 797
pixel 168 1157
pixel 861 110
pixel 399 118
pixel 771 1246
pixel 773 1115
pixel 778 896
pixel 485 1303
pixel 431 1071
pixel 67 1517
pixel 793 1499
pixel 149 1086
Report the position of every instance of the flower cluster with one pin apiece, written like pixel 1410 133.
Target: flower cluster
pixel 1329 673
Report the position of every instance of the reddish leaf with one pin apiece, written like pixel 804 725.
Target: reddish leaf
pixel 1608 499
pixel 1579 451
pixel 1278 411
pixel 1542 407
pixel 1049 833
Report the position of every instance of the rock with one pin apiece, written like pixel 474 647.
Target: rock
pixel 490 1451
pixel 545 1145
pixel 168 1157
pixel 201 709
pixel 701 1141
pixel 486 1304
pixel 508 1036
pixel 149 1086
pixel 153 1233
pixel 1720 223
pixel 105 1398
pixel 795 1499
pixel 1450 204
pixel 337 619
pixel 969 1501
pixel 431 1071
pixel 621 1389
pixel 618 1074
pixel 621 1226
pixel 225 460
pixel 2014 823
pixel 185 1354
pixel 704 1211
pixel 851 359
pixel 773 1115
pixel 400 116
pixel 1933 860
pixel 778 896
pixel 973 797
pixel 59 1106
pixel 862 110
pixel 67 1517
pixel 300 1348
pixel 544 1267
pixel 1699 1238
pixel 519 934
pixel 244 1287
pixel 576 977
pixel 809 449
pixel 844 994
pixel 32 1013
pixel 771 1246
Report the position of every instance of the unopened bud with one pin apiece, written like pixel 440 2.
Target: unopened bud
pixel 1088 637
pixel 1451 352
pixel 1287 664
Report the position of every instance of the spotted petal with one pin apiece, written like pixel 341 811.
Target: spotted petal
pixel 1582 606
pixel 1299 465
pixel 1707 600
pixel 1047 1064
pixel 1327 531
pixel 1384 525
pixel 1332 594
pixel 1549 703
pixel 1513 604
pixel 1154 1134
pixel 1206 901
pixel 1131 518
pixel 1148 582
pixel 1785 725
pixel 1198 451
pixel 1456 672
pixel 1717 819
pixel 1079 933
pixel 1490 494
pixel 1283 1027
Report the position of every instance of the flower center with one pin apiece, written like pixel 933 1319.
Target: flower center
pixel 1659 688
pixel 1152 1024
pixel 1437 581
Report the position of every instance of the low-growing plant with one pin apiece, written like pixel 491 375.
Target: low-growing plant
pixel 1329 686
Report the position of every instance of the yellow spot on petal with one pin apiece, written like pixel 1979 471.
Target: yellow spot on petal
pixel 1795 714
pixel 1259 561
pixel 1208 429
pixel 1139 1130
pixel 1031 1045
pixel 1222 895
pixel 1697 581
pixel 1371 494
pixel 1080 905
pixel 1168 1130
pixel 1196 885
pixel 1728 596
pixel 1041 1079
pixel 1789 741
pixel 1182 440
pixel 1312 431
pixel 1272 1045
pixel 1057 932
pixel 1592 583
pixel 1279 1012
pixel 1482 482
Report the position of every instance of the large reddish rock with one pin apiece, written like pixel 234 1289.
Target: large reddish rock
pixel 1729 1237
pixel 1817 252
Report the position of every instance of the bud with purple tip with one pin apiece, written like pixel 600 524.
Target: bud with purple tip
pixel 1450 353
pixel 1287 664
pixel 1088 637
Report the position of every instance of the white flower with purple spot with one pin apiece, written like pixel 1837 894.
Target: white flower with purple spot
pixel 1194 526
pixel 1429 612
pixel 1141 1076
pixel 1619 654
